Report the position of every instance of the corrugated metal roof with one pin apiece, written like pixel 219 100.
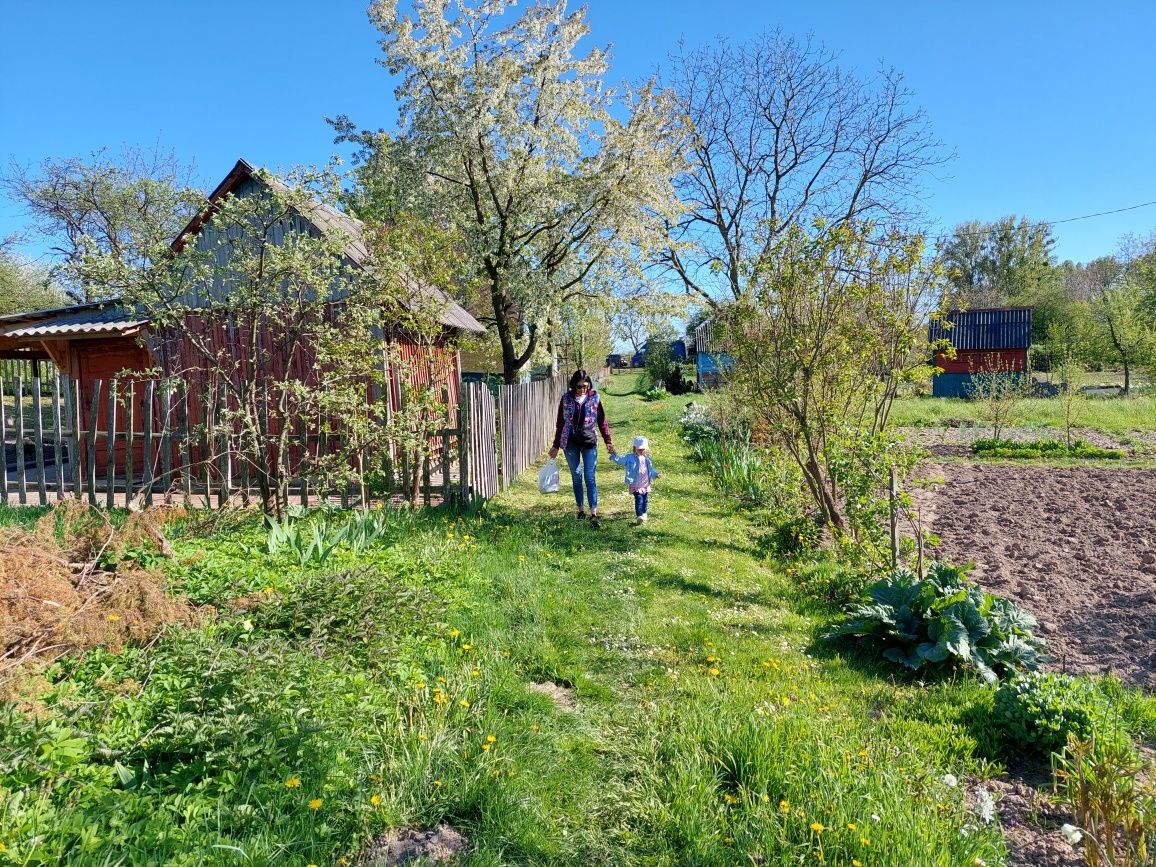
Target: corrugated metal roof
pixel 995 328
pixel 107 317
pixel 704 338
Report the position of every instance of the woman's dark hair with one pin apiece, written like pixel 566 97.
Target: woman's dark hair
pixel 580 376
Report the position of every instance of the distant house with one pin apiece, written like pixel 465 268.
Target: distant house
pixel 987 340
pixel 677 351
pixel 98 341
pixel 712 363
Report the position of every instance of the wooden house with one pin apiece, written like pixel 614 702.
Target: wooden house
pixel 101 341
pixel 988 340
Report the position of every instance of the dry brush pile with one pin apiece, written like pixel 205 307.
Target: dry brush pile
pixel 77 581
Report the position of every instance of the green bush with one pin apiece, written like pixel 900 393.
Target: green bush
pixel 791 539
pixel 989 448
pixel 1036 712
pixel 943 622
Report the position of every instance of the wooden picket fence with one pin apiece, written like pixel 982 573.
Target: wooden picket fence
pixel 526 419
pixel 139 441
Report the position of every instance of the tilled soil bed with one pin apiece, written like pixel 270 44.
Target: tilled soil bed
pixel 1075 546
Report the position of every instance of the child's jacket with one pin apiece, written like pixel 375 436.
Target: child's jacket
pixel 634 470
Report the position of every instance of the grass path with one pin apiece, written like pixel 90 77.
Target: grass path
pixel 393 689
pixel 718 731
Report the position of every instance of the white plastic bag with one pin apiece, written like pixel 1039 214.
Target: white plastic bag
pixel 549 478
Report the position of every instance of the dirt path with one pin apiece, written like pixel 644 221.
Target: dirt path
pixel 1075 546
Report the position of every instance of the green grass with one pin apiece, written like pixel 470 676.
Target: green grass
pixel 1116 415
pixel 711 726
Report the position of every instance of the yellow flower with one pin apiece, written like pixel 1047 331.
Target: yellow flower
pixel 113 617
pixel 315 804
pixel 441 679
pixel 439 697
pixel 866 841
pixel 467 647
pixel 421 685
pixel 766 799
pixel 490 739
pixel 817 827
pixel 784 806
pixel 464 703
pixel 455 633
pixel 535 728
pixel 521 558
pixel 712 659
pixel 267 590
pixel 714 672
pixel 728 840
pixel 486 748
pixel 375 800
pixel 730 799
pixel 476 673
pixel 855 862
pixel 438 784
pixel 851 826
pixel 293 783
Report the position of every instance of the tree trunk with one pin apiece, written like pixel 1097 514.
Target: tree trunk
pixel 1127 378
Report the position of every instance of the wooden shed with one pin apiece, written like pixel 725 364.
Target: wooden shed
pixel 101 341
pixel 986 340
pixel 711 362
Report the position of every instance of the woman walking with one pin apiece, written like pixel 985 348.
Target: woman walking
pixel 580 419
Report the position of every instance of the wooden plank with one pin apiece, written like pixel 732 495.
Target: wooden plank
pixel 146 472
pixel 129 434
pixel 93 421
pixel 205 440
pixel 186 435
pixel 38 435
pixel 224 467
pixel 110 446
pixel 57 436
pixel 3 446
pixel 167 440
pixel 74 413
pixel 21 481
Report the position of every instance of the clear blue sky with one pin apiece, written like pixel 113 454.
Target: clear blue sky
pixel 1050 107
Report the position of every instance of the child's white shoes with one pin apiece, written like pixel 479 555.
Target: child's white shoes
pixel 641 519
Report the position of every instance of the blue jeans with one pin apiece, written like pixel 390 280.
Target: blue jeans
pixel 641 500
pixel 583 462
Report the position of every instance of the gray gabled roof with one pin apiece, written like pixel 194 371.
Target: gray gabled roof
pixel 453 315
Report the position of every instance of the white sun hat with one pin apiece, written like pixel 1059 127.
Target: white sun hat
pixel 642 443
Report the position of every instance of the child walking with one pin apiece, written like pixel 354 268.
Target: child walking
pixel 640 472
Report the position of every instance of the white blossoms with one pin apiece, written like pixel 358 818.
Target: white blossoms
pixel 1071 833
pixel 950 780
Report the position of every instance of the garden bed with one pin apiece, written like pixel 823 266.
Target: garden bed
pixel 1075 546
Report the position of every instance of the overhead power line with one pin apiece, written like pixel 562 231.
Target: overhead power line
pixel 1042 223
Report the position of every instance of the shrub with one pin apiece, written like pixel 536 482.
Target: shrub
pixel 791 539
pixel 655 393
pixel 998 448
pixel 943 622
pixel 1035 712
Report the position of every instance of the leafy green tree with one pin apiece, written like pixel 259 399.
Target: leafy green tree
pixel 1005 263
pixel 548 174
pixel 781 135
pixel 25 287
pixel 1124 330
pixel 833 323
pixel 106 210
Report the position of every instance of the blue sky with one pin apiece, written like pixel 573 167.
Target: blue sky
pixel 1048 106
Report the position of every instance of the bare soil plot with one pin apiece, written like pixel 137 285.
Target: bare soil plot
pixel 1075 546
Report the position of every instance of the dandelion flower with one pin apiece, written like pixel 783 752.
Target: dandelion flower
pixel 467 647
pixel 455 633
pixel 464 703
pixel 113 617
pixel 490 739
pixel 784 806
pixel 851 826
pixel 438 784
pixel 315 804
pixel 293 783
pixel 486 747
pixel 855 862
pixel 375 800
pixel 817 827
pixel 714 672
pixel 950 780
pixel 866 841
